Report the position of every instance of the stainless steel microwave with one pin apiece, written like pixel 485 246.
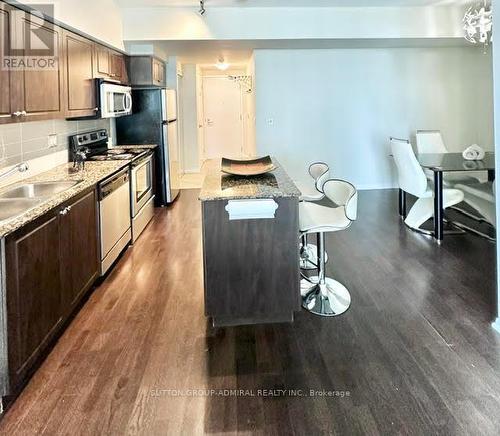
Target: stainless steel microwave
pixel 115 100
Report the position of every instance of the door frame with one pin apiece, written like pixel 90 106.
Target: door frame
pixel 201 113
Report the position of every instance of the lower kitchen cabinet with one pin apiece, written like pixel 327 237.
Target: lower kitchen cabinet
pixel 49 265
pixel 79 252
pixel 33 265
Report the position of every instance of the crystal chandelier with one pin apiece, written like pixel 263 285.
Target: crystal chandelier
pixel 478 22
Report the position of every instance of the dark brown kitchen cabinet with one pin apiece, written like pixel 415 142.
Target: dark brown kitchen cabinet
pixel 102 64
pixel 49 265
pixel 39 91
pixel 80 84
pixel 79 249
pixel 146 70
pixel 33 265
pixel 36 91
pixel 110 65
pixel 158 72
pixel 118 67
pixel 6 76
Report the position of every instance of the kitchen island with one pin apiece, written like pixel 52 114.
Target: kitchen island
pixel 250 247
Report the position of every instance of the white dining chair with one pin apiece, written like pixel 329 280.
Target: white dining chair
pixel 431 141
pixel 322 295
pixel 312 191
pixel 412 180
pixel 481 197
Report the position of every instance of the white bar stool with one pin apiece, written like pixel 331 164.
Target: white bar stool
pixel 322 295
pixel 320 173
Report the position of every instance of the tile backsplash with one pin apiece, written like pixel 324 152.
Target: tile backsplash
pixel 21 142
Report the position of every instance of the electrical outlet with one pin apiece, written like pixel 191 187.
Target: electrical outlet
pixel 52 141
pixel 270 121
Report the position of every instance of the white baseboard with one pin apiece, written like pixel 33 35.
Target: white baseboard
pixel 496 325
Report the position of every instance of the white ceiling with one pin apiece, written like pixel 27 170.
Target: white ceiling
pixel 289 3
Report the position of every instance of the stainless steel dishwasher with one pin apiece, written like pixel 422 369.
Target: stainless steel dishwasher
pixel 114 216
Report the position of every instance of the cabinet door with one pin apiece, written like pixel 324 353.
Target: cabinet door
pixel 6 76
pixel 79 242
pixel 33 293
pixel 81 87
pixel 118 68
pixel 103 64
pixel 158 72
pixel 41 88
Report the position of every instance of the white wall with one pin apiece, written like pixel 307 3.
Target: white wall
pixel 190 152
pixel 101 19
pixel 233 23
pixel 341 106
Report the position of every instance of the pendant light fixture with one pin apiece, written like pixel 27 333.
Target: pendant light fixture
pixel 478 24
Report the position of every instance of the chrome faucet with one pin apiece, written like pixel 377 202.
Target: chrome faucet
pixel 22 167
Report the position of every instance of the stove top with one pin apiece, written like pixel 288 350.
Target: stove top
pixel 114 154
pixel 95 146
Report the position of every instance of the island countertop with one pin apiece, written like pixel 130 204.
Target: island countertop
pixel 220 186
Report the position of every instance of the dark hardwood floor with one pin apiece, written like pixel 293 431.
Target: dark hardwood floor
pixel 415 352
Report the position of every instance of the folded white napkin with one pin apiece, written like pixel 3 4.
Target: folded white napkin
pixel 474 152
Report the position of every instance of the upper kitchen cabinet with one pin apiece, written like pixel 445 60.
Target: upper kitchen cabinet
pixel 33 89
pixel 147 71
pixel 80 85
pixel 110 65
pixel 6 100
pixel 39 88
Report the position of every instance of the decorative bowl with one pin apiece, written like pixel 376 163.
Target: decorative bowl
pixel 248 168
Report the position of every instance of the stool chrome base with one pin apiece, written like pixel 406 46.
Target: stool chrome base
pixel 329 299
pixel 309 257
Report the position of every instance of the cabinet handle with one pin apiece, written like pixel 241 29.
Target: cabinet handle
pixel 17 114
pixel 65 211
pixel 96 109
pixel 24 113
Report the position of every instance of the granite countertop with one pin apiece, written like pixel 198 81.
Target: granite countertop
pixel 137 147
pixel 220 186
pixel 94 173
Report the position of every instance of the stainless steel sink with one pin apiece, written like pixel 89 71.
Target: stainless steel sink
pixel 10 208
pixel 38 190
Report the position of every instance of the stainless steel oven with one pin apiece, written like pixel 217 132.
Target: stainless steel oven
pixel 141 198
pixel 115 100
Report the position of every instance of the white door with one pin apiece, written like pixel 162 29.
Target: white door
pixel 223 130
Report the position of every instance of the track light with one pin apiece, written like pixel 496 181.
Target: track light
pixel 202 7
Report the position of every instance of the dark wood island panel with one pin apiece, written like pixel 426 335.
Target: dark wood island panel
pixel 251 266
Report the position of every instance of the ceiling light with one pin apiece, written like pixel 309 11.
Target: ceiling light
pixel 221 65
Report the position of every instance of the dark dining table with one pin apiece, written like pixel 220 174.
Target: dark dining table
pixel 441 163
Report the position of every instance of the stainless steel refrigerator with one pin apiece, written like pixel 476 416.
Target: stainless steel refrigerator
pixel 154 121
